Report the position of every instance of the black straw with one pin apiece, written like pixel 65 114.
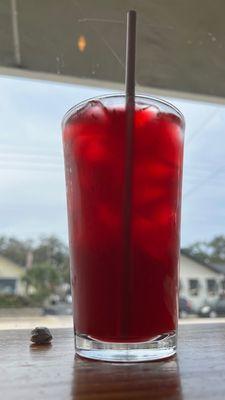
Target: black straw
pixel 130 54
pixel 130 108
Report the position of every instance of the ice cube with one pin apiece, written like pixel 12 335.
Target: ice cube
pixel 91 149
pixel 164 215
pixel 144 115
pixel 141 232
pixel 145 134
pixel 93 111
pixel 171 118
pixel 169 140
pixel 110 219
pixel 160 171
pixel 95 152
pixel 155 235
pixel 146 198
pixel 141 106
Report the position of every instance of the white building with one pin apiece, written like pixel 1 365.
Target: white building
pixel 10 277
pixel 200 283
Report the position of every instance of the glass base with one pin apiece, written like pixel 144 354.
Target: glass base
pixel 162 346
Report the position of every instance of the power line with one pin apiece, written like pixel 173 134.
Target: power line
pixel 30 160
pixel 28 170
pixel 28 154
pixel 204 181
pixel 205 123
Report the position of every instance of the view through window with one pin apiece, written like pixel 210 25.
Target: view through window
pixel 33 204
pixel 49 65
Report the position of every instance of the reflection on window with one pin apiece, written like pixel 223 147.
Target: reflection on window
pixel 194 287
pixel 212 287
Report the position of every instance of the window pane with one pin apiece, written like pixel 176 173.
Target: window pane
pixel 193 287
pixel 7 285
pixel 212 287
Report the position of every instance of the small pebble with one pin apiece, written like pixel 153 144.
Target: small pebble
pixel 41 335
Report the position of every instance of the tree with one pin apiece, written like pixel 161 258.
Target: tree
pixel 44 278
pixel 48 249
pixel 53 251
pixel 217 248
pixel 209 252
pixel 14 249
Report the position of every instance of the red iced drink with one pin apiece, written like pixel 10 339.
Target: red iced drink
pixel 94 137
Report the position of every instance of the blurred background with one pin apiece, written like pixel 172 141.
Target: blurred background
pixel 54 54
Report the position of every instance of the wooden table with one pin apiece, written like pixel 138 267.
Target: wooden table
pixel 31 372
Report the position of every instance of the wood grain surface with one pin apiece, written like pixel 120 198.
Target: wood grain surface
pixel 30 372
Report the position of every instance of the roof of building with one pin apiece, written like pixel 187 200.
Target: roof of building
pixel 219 268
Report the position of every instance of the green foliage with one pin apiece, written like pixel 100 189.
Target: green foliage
pixel 199 250
pixel 217 248
pixel 209 252
pixel 48 250
pixel 47 262
pixel 53 251
pixel 44 277
pixel 12 300
pixel 14 249
pixel 16 301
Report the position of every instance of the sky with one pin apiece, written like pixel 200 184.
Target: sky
pixel 32 188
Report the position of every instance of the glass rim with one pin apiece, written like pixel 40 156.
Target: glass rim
pixel 123 95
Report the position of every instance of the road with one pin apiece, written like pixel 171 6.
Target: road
pixel 65 321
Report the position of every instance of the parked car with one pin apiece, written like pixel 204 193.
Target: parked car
pixel 58 309
pixel 68 299
pixel 212 311
pixel 54 306
pixel 185 307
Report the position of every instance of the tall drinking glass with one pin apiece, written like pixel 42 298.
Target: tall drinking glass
pixel 124 265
